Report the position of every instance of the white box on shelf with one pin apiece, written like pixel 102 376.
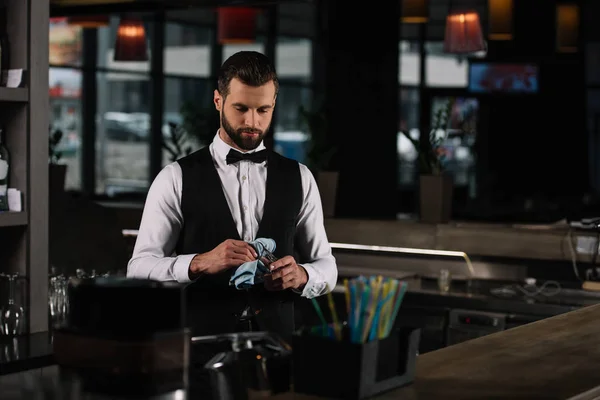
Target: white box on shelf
pixel 15 202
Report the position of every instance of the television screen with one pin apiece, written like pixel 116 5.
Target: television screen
pixel 504 78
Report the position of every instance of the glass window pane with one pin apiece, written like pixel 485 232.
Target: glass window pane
pixel 592 58
pixel 294 58
pixel 65 42
pixel 107 37
pixel 123 127
pixel 231 49
pixel 296 19
pixel 187 50
pixel 188 105
pixel 290 132
pixel 409 124
pixel 459 134
pixel 442 69
pixel 410 59
pixel 65 115
pixel 593 112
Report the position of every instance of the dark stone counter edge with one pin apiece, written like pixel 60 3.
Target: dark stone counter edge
pixel 26 364
pixel 40 350
pixel 35 351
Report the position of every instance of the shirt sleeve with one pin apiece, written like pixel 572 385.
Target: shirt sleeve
pixel 154 252
pixel 312 241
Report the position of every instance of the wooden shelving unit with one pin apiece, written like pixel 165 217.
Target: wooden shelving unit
pixel 14 94
pixel 13 219
pixel 24 114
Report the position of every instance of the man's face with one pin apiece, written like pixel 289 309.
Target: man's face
pixel 246 114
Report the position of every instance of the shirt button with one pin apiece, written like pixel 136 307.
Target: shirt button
pixel 244 177
pixel 247 238
pixel 245 208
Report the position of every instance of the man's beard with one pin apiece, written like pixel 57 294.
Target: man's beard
pixel 246 143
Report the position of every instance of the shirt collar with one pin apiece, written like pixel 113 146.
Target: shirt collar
pixel 221 149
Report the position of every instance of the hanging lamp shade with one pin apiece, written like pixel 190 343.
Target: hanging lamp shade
pixel 567 28
pixel 131 41
pixel 463 33
pixel 236 25
pixel 500 19
pixel 89 21
pixel 414 11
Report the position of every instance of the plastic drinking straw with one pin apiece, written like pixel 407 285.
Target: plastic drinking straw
pixel 398 301
pixel 347 287
pixel 372 306
pixel 383 313
pixel 334 317
pixel 364 303
pixel 358 300
pixel 384 319
pixel 373 333
pixel 319 313
pixel 352 314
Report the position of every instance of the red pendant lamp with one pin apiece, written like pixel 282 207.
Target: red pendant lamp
pixel 89 21
pixel 236 25
pixel 463 33
pixel 131 40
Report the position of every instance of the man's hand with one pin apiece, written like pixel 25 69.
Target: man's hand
pixel 231 253
pixel 285 274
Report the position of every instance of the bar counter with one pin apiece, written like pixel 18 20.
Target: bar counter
pixel 555 358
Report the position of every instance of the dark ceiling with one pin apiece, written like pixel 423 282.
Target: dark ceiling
pixel 87 7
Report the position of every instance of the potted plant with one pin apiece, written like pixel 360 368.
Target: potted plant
pixel 319 156
pixel 57 172
pixel 199 122
pixel 174 143
pixel 435 185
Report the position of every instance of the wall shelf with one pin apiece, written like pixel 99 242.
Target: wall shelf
pixel 9 218
pixel 14 94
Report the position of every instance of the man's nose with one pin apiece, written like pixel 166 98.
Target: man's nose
pixel 251 119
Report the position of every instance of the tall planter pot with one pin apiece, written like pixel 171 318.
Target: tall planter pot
pixel 57 174
pixel 435 198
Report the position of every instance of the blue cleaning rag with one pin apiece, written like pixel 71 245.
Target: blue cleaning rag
pixel 251 272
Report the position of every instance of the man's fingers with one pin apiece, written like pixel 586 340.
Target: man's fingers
pixel 244 245
pixel 281 272
pixel 281 263
pixel 244 252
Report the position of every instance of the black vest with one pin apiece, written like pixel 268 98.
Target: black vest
pixel 213 305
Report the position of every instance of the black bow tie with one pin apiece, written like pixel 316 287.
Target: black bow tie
pixel 234 156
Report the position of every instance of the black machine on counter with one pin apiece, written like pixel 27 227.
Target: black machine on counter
pixel 127 338
pixel 118 341
pixel 258 364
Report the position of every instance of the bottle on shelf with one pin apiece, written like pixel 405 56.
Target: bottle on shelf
pixel 4 48
pixel 4 172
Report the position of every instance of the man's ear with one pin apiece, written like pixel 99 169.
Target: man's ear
pixel 218 100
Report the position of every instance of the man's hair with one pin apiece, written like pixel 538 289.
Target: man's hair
pixel 250 67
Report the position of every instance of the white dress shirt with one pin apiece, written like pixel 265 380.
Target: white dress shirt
pixel 244 186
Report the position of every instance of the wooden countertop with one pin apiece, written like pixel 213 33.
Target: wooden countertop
pixel 555 358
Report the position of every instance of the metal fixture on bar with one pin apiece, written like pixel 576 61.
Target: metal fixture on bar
pixel 408 250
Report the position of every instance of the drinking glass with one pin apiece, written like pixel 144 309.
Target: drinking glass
pixel 12 317
pixel 444 281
